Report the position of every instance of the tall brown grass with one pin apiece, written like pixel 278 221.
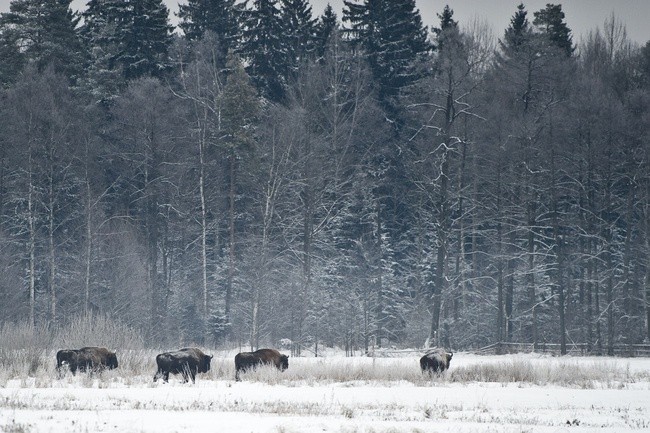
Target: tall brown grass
pixel 29 352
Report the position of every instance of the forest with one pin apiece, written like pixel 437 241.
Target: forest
pixel 259 174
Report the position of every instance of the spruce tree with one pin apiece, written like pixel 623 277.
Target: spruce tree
pixel 393 37
pixel 104 76
pixel 447 25
pixel 299 31
pixel 151 36
pixel 130 37
pixel 518 31
pixel 45 33
pixel 219 17
pixel 265 49
pixel 325 28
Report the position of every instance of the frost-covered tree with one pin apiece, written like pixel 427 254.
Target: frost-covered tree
pixel 13 60
pixel 393 38
pixel 126 40
pixel 264 48
pixel 326 26
pixel 46 34
pixel 550 21
pixel 42 120
pixel 220 17
pixel 299 31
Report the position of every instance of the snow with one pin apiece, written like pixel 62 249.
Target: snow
pixel 292 402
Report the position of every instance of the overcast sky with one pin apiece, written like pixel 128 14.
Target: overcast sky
pixel 581 15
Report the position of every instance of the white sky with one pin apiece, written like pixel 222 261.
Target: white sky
pixel 581 15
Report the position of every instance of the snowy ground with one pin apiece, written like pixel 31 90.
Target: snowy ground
pixel 338 394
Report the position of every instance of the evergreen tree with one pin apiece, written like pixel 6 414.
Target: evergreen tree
pixel 150 38
pixel 264 47
pixel 13 60
pixel 299 31
pixel 551 22
pixel 517 32
pixel 130 37
pixel 104 77
pixel 447 24
pixel 325 28
pixel 46 34
pixel 217 16
pixel 393 37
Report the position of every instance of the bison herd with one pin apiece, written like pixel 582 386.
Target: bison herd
pixel 189 361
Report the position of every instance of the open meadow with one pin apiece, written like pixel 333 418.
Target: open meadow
pixel 507 393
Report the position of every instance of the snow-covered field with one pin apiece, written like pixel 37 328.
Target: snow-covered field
pixel 509 393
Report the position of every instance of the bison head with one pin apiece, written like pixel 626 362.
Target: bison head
pixel 284 362
pixel 111 360
pixel 204 363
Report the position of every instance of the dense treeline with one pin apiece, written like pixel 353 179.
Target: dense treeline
pixel 265 174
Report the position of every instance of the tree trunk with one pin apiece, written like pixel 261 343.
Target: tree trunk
pixel 646 290
pixel 443 209
pixel 204 226
pixel 500 319
pixel 231 234
pixel 50 234
pixel 31 246
pixel 89 239
pixel 441 254
pixel 152 231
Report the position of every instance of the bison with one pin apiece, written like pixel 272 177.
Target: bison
pixel 247 360
pixel 66 358
pixel 435 361
pixel 187 362
pixel 86 359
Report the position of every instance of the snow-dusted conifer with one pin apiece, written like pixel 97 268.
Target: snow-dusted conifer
pixel 265 49
pixel 45 33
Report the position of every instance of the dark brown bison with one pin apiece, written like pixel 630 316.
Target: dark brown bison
pixel 89 359
pixel 435 361
pixel 66 358
pixel 186 362
pixel 248 360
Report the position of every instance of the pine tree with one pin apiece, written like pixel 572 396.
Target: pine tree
pixel 264 47
pixel 551 22
pixel 13 60
pixel 219 17
pixel 46 34
pixel 393 37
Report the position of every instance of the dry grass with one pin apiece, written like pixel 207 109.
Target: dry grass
pixel 138 366
pixel 29 352
pixel 573 373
